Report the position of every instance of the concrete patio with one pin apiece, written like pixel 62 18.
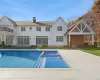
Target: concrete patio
pixel 84 66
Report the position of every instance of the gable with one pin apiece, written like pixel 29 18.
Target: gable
pixel 3 21
pixel 81 27
pixel 6 20
pixel 60 21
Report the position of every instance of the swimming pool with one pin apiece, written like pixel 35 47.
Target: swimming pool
pixel 31 59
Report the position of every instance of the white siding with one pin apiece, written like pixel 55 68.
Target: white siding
pixel 55 33
pixel 33 33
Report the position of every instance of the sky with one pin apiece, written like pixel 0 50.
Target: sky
pixel 44 10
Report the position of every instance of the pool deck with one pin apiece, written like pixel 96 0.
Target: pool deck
pixel 84 66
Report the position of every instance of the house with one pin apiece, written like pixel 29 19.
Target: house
pixel 55 33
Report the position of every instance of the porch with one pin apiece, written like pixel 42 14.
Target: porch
pixel 76 34
pixel 79 40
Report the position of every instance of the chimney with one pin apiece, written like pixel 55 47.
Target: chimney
pixel 34 19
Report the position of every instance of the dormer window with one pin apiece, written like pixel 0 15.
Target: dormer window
pixel 59 28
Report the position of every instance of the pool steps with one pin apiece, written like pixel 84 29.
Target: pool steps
pixel 43 62
pixel 39 61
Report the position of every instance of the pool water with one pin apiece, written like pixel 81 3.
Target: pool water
pixel 31 59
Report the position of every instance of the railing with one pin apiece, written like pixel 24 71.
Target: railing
pixel 4 25
pixel 6 29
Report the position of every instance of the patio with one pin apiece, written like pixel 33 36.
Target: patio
pixel 83 67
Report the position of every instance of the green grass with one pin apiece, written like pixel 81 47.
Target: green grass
pixel 94 51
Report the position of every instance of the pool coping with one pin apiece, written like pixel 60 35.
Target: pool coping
pixel 35 69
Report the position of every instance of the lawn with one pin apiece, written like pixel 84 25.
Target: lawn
pixel 94 51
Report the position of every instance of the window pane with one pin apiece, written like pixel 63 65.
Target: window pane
pixel 59 38
pixel 42 40
pixel 23 29
pixel 47 28
pixel 30 28
pixel 23 40
pixel 38 28
pixel 59 28
pixel 9 40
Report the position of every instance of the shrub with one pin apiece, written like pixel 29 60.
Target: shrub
pixel 0 45
pixel 34 46
pixel 5 46
pixel 65 46
pixel 3 43
pixel 9 46
pixel 86 44
pixel 95 44
pixel 44 46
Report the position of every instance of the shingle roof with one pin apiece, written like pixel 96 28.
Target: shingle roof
pixel 21 23
pixel 47 22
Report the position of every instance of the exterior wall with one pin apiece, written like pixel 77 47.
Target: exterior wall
pixel 11 26
pixel 55 33
pixel 3 34
pixel 33 33
pixel 51 34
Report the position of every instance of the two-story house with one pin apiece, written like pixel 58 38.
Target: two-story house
pixel 55 33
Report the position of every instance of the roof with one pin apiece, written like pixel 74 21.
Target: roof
pixel 12 21
pixel 47 22
pixel 72 25
pixel 21 23
pixel 30 23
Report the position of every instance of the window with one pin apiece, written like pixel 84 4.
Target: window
pixel 59 28
pixel 9 40
pixel 30 28
pixel 23 40
pixel 47 28
pixel 10 25
pixel 42 40
pixel 38 28
pixel 23 29
pixel 59 38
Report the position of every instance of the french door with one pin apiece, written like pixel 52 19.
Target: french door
pixel 41 40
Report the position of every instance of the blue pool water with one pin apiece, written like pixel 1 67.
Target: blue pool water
pixel 31 59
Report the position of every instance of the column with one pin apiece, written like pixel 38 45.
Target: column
pixel 14 40
pixel 4 38
pixel 69 39
pixel 92 39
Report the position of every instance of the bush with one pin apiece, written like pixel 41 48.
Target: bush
pixel 0 45
pixel 5 46
pixel 34 46
pixel 9 46
pixel 86 44
pixel 95 44
pixel 3 43
pixel 44 46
